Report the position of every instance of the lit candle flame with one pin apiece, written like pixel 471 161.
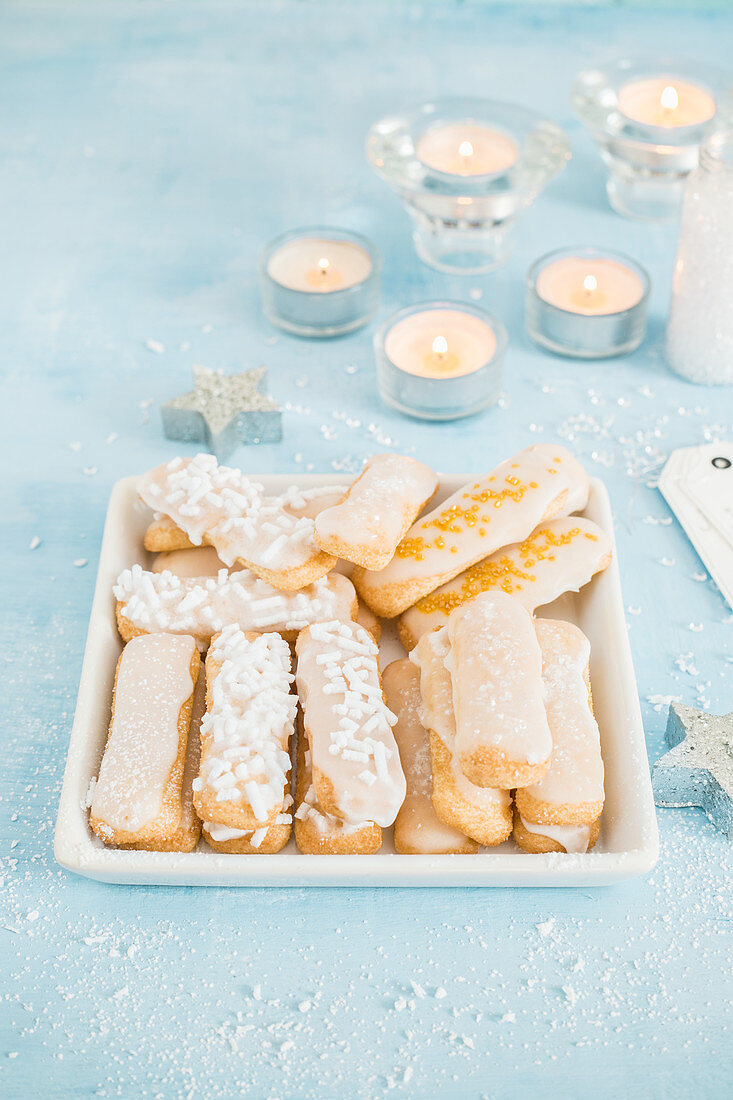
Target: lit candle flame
pixel 465 149
pixel 669 98
pixel 440 345
pixel 323 265
pixel 590 283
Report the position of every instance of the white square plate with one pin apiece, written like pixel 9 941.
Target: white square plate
pixel 628 843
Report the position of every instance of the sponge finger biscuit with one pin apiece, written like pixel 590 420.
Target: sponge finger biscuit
pixel 203 606
pixel 219 504
pixel 418 829
pixel 137 798
pixel 502 734
pixel 356 766
pixel 246 731
pixel 376 511
pixel 571 792
pixel 561 555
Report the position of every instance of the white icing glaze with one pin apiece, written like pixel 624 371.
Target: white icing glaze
pixel 575 774
pixel 377 509
pixel 436 713
pixel 246 731
pixel 496 670
pixel 231 512
pixel 348 723
pixel 203 606
pixel 201 561
pixel 501 508
pixel 561 555
pixel 153 683
pixel 574 838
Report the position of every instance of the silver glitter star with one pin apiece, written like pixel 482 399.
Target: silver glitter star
pixel 699 769
pixel 223 411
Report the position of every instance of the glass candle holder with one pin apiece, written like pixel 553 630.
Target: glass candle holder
pixel 587 303
pixel 649 118
pixel 699 343
pixel 320 282
pixel 440 360
pixel 465 170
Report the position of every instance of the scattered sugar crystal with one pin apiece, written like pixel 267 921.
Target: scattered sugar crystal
pixel 79 563
pixel 546 927
pixel 155 346
pixel 34 543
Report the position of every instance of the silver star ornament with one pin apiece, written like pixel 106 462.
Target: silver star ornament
pixel 223 412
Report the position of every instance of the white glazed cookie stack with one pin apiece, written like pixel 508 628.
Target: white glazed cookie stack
pixel 486 731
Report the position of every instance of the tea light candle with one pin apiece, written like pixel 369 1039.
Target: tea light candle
pixel 466 149
pixel 665 101
pixel 440 360
pixel 586 303
pixel 320 282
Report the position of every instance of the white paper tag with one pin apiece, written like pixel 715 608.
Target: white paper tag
pixel 697 483
pixel 708 482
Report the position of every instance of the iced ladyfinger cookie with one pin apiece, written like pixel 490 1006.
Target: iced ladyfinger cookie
pixel 376 511
pixel 418 830
pixel 357 774
pixel 246 731
pixel 502 735
pixel 561 811
pixel 219 505
pixel 164 534
pixel 559 556
pixel 137 798
pixel 482 813
pixel 504 507
pixel 203 606
pixel 318 833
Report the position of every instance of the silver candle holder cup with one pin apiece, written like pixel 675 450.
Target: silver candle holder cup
pixel 579 335
pixel 291 267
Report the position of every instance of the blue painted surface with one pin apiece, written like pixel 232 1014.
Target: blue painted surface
pixel 147 152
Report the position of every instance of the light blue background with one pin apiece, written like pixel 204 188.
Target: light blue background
pixel 147 153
